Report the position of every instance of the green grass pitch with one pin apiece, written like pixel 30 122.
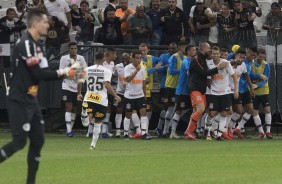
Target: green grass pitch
pixel 159 161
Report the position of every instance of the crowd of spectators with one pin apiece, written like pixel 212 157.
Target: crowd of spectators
pixel 221 23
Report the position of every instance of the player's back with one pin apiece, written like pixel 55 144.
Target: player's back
pixel 96 76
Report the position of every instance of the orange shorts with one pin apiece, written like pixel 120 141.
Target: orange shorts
pixel 197 98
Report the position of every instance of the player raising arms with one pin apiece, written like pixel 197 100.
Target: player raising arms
pixel 98 79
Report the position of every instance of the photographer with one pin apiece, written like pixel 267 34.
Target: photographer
pixel 21 10
pixel 273 25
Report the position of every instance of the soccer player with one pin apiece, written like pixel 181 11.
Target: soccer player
pixel 152 65
pixel 223 53
pixel 260 66
pixel 30 66
pixel 70 86
pixel 135 94
pixel 182 98
pixel 197 84
pixel 172 49
pixel 110 56
pixel 98 79
pixel 119 70
pixel 219 100
pixel 174 64
pixel 245 97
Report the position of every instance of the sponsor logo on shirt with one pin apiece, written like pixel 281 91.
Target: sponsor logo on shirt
pixel 94 97
pixel 33 90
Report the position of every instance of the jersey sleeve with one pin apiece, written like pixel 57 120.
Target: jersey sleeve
pixel 84 64
pixel 127 72
pixel 63 63
pixel 66 7
pixel 108 76
pixel 230 69
pixel 192 11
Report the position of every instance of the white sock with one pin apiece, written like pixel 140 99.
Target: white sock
pixel 96 133
pixel 268 119
pixel 73 116
pixel 161 120
pixel 222 124
pixel 203 122
pixel 234 118
pixel 228 120
pixel 168 116
pixel 174 123
pixel 104 128
pixel 144 124
pixel 215 123
pixel 244 120
pixel 90 128
pixel 126 123
pixel 68 121
pixel 107 118
pixel 149 115
pixel 118 121
pixel 257 122
pixel 136 122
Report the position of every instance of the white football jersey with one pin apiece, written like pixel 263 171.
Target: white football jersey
pixel 96 92
pixel 119 71
pixel 70 84
pixel 220 81
pixel 134 88
pixel 109 66
pixel 210 65
pixel 239 70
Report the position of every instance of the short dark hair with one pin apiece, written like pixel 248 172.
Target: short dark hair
pixel 72 43
pixel 226 4
pixel 34 15
pixel 10 10
pixel 237 1
pixel 215 48
pixel 261 51
pixel 144 45
pixel 84 2
pixel 111 49
pixel 18 2
pixel 253 49
pixel 99 56
pixel 275 5
pixel 135 52
pixel 182 43
pixel 111 1
pixel 241 51
pixel 224 50
pixel 188 47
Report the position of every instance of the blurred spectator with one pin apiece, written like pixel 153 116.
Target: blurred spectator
pixel 21 10
pixel 86 25
pixel 273 25
pixel 230 3
pixel 199 22
pixel 54 36
pixel 120 13
pixel 280 3
pixel 37 4
pixel 187 5
pixel 155 15
pixel 140 25
pixel 174 21
pixel 10 31
pixel 253 5
pixel 226 26
pixel 213 34
pixel 60 9
pixel 111 27
pixel 112 6
pixel 75 17
pixel 246 36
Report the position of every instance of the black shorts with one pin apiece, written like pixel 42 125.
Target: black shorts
pixel 149 103
pixel 98 111
pixel 207 100
pixel 162 95
pixel 183 102
pixel 244 98
pixel 219 103
pixel 25 117
pixel 120 105
pixel 134 104
pixel 69 96
pixel 261 99
pixel 169 95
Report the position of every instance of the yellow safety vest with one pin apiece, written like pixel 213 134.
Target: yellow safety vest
pixel 264 90
pixel 172 80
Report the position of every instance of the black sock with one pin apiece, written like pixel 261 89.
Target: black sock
pixel 33 163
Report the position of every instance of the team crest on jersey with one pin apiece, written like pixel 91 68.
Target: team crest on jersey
pixel 182 104
pixel 211 106
pixel 65 98
pixel 128 106
pixel 33 90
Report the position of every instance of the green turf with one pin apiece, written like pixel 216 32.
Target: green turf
pixel 68 160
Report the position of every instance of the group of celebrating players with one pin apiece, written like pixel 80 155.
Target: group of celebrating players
pixel 217 85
